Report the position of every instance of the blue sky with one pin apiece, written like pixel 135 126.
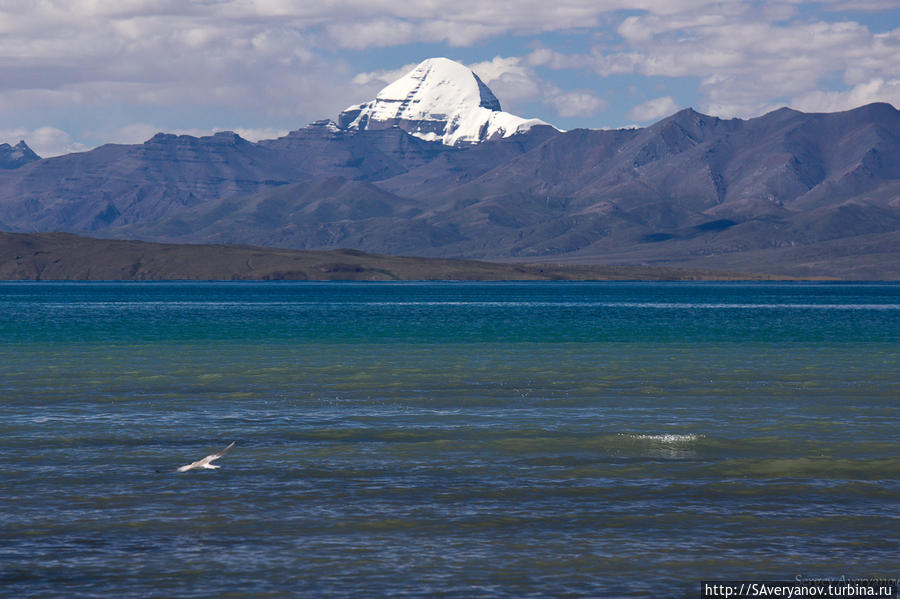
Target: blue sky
pixel 75 74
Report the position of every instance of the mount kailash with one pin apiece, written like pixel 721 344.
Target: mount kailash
pixel 439 100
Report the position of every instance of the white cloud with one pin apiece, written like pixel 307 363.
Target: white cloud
pixel 653 110
pixel 877 90
pixel 373 34
pixel 129 134
pixel 45 141
pixel 117 29
pixel 514 80
pixel 511 80
pixel 545 57
pixel 747 60
pixel 102 56
pixel 214 62
pixel 499 67
pixel 576 103
pixel 642 29
pixel 860 5
pixel 255 134
pixel 383 77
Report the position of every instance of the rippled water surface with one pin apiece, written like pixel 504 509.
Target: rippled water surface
pixel 435 439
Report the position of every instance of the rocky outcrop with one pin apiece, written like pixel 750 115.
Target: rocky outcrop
pixel 15 156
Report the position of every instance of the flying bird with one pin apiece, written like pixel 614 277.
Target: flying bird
pixel 205 462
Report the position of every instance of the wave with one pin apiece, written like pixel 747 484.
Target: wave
pixel 667 438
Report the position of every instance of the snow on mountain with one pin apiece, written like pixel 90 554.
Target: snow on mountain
pixel 439 100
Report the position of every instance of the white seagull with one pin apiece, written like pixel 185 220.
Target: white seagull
pixel 205 462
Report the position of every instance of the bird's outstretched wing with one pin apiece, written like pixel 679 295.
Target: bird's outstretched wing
pixel 216 456
pixel 204 463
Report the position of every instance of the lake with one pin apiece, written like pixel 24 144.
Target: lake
pixel 445 439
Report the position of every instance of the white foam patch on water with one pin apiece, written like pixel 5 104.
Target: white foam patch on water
pixel 668 438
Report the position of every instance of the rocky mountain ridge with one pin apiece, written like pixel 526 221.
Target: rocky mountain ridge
pixel 817 194
pixel 15 156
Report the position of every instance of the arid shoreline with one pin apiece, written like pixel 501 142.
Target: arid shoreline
pixel 67 257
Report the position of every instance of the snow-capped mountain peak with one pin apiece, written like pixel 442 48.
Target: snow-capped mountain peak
pixel 439 100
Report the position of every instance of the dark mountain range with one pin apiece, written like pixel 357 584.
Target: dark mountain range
pixel 810 194
pixel 680 192
pixel 687 187
pixel 117 185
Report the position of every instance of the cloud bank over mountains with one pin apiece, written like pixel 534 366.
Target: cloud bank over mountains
pixel 77 73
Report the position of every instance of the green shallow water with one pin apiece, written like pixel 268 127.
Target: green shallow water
pixel 621 440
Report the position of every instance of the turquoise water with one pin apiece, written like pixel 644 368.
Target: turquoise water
pixel 444 439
